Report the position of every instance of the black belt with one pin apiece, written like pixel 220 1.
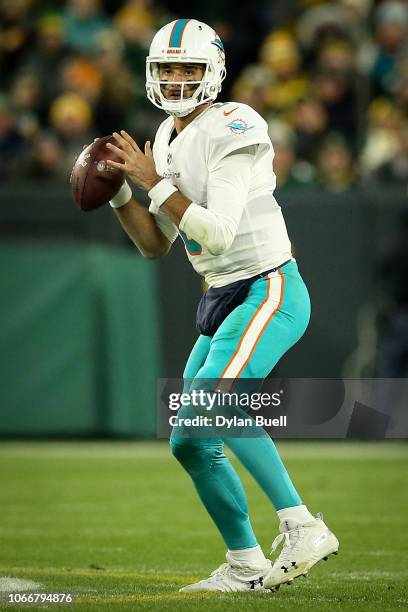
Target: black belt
pixel 218 302
pixel 264 274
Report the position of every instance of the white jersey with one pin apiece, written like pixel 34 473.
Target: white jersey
pixel 261 241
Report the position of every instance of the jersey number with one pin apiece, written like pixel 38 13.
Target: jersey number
pixel 191 245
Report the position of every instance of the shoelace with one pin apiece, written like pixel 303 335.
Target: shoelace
pixel 293 540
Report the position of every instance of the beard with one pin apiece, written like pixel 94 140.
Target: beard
pixel 172 92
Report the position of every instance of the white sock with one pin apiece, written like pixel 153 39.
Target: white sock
pixel 250 556
pixel 298 513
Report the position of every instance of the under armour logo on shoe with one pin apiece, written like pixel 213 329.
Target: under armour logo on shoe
pixel 292 565
pixel 253 583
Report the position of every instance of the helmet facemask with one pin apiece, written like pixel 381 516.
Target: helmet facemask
pixel 207 88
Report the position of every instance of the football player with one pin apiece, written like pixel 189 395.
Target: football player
pixel 210 181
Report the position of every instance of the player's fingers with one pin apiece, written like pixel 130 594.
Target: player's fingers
pixel 130 140
pixel 148 150
pixel 119 152
pixel 113 164
pixel 121 141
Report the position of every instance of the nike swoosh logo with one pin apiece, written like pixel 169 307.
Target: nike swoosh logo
pixel 231 111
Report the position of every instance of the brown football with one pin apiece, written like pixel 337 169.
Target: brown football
pixel 93 184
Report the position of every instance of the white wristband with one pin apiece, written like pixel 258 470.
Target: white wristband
pixel 122 197
pixel 160 192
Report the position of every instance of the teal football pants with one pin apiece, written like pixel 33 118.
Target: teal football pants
pixel 248 344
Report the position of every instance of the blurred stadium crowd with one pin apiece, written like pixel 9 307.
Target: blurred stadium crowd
pixel 330 77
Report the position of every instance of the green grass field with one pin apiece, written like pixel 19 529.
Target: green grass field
pixel 120 526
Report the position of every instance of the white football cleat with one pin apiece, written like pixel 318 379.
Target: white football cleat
pixel 232 577
pixel 304 545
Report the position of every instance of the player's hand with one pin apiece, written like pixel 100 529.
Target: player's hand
pixel 138 166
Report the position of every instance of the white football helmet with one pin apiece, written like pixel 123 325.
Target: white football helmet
pixel 191 42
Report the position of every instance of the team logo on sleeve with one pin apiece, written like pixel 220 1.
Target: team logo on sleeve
pixel 239 126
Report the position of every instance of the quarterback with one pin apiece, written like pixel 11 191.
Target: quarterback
pixel 210 181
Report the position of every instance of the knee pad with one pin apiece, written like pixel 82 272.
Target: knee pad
pixel 196 459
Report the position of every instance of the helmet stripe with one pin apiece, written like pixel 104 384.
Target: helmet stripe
pixel 177 32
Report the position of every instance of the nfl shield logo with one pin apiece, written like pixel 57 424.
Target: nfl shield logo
pixel 169 158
